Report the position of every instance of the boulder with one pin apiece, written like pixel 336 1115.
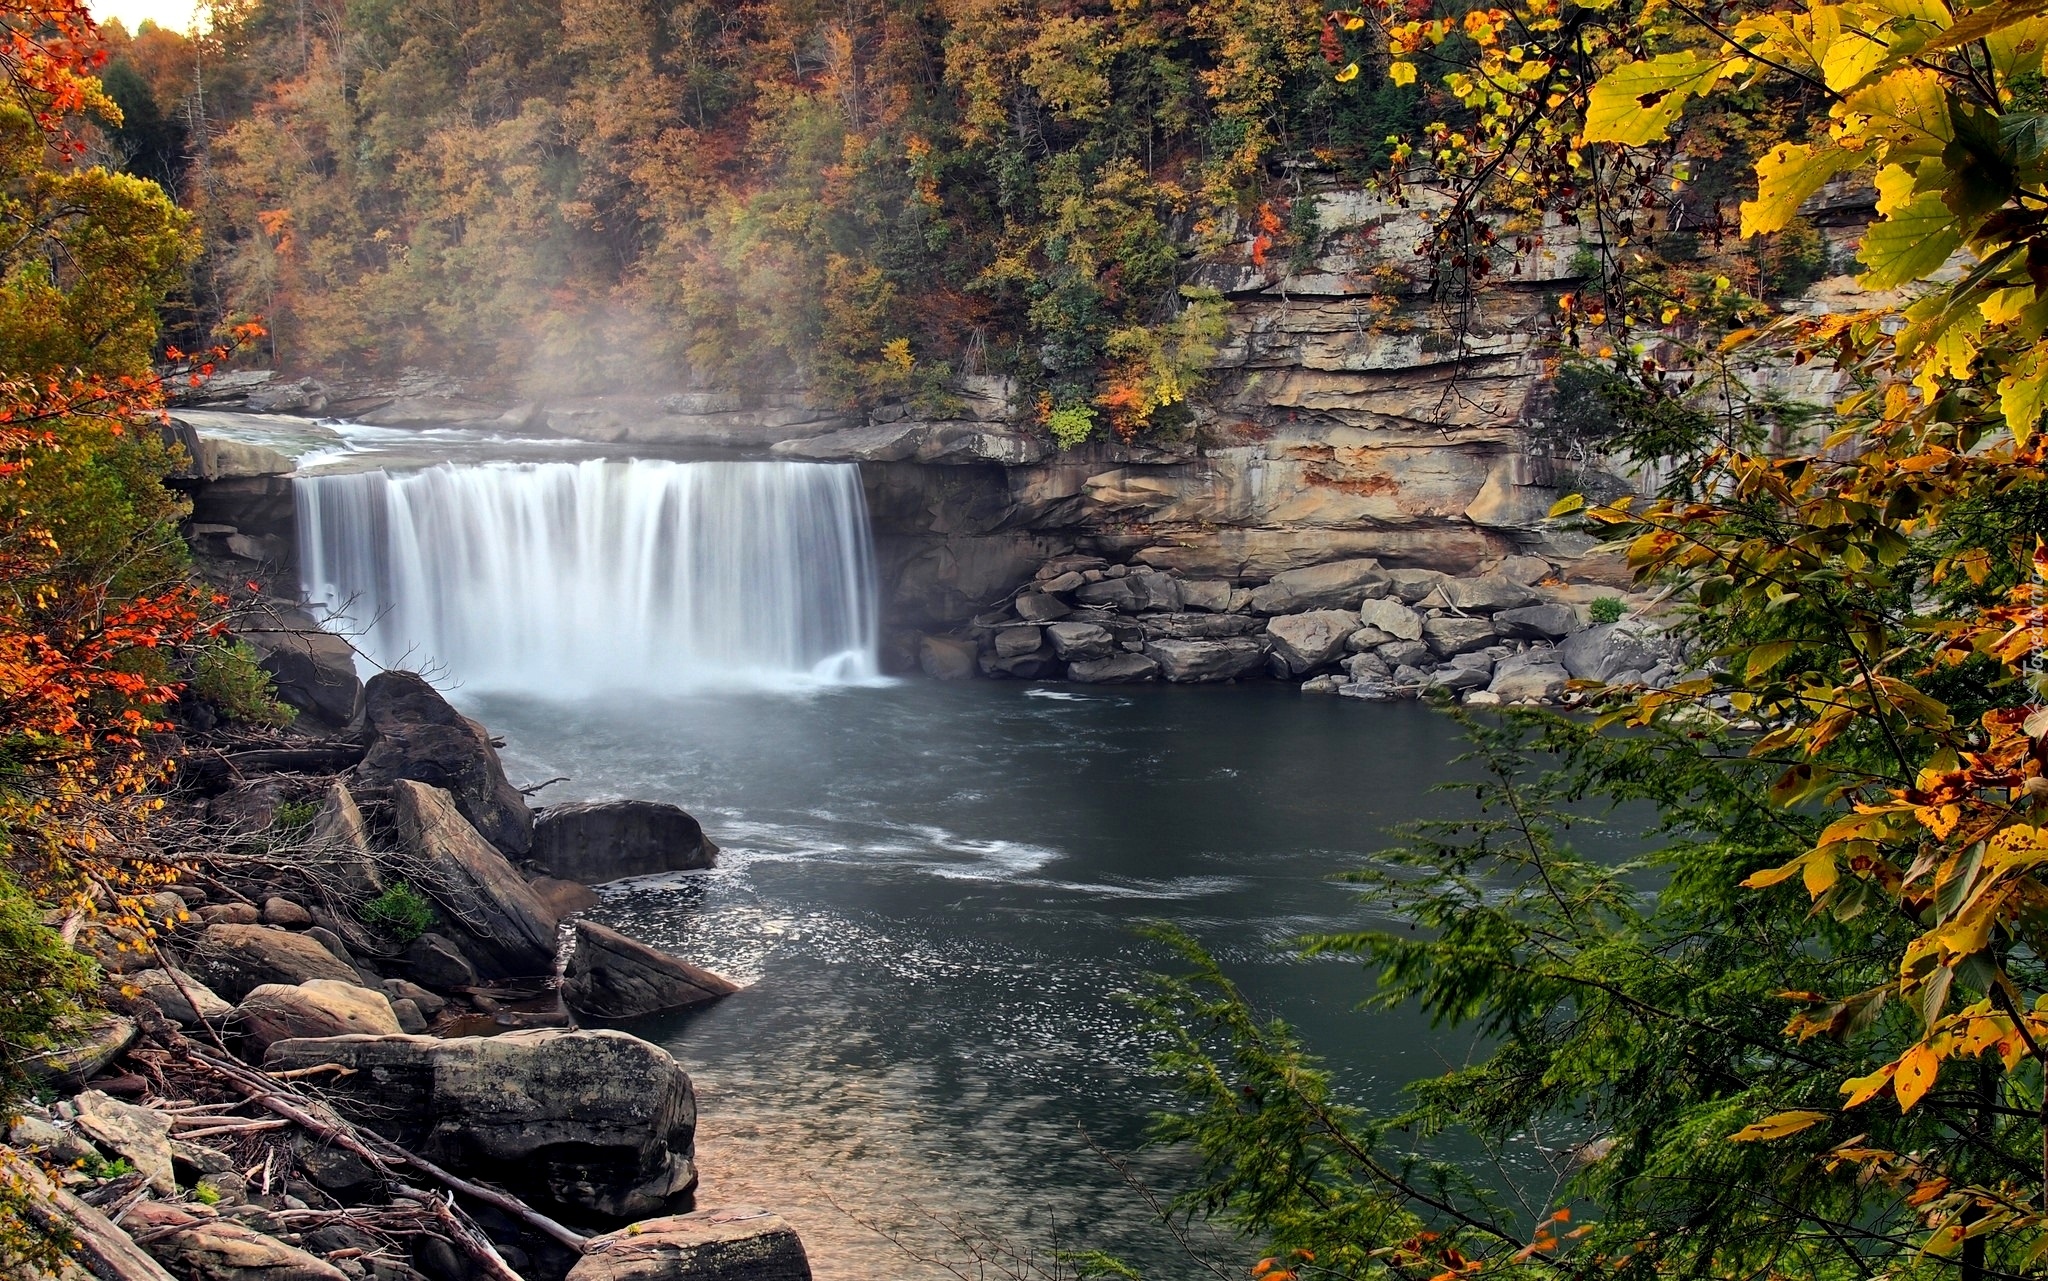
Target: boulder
pixel 1038 607
pixel 179 997
pixel 397 990
pixel 199 1245
pixel 1342 584
pixel 611 976
pixel 142 1135
pixel 323 1007
pixel 284 914
pixel 85 1053
pixel 1404 653
pixel 1201 661
pixel 230 914
pixel 311 669
pixel 1458 678
pixel 1308 641
pixel 1448 636
pixel 1016 642
pixel 409 1017
pixel 1117 669
pixel 1536 676
pixel 946 658
pixel 415 735
pixel 1392 617
pixel 1080 642
pixel 1139 592
pixel 1361 667
pixel 235 960
pixel 506 927
pixel 598 841
pixel 1029 665
pixel 1524 569
pixel 339 843
pixel 1488 593
pixel 1597 653
pixel 1366 638
pixel 1550 621
pixel 438 962
pixel 1409 586
pixel 734 1244
pixel 1197 626
pixel 599 1122
pixel 1210 595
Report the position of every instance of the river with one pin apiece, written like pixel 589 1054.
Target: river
pixel 930 890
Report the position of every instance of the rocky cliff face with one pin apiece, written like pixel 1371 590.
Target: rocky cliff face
pixel 1351 413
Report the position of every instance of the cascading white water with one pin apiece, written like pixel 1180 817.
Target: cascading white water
pixel 564 577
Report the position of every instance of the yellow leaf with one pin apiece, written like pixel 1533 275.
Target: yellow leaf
pixel 1766 656
pixel 1913 242
pixel 1567 505
pixel 1774 875
pixel 1777 1127
pixel 2023 391
pixel 1917 1069
pixel 1862 1089
pixel 1785 177
pixel 1638 102
pixel 1401 73
pixel 1820 875
pixel 1348 74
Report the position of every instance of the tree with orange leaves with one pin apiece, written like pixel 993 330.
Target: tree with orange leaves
pixel 95 597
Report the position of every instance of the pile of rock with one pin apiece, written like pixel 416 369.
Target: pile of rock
pixel 460 1046
pixel 1511 635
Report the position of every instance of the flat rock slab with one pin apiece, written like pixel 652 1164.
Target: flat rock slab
pixel 737 1244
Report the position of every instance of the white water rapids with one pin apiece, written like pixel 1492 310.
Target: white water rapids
pixel 652 576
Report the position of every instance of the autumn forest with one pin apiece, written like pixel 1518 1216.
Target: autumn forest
pixel 1737 898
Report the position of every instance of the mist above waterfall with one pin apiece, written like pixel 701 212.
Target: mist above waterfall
pixel 599 575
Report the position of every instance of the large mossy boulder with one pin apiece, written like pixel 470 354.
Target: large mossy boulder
pixel 598 841
pixel 415 735
pixel 601 1123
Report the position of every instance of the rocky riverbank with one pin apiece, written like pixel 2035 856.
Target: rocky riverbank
pixel 1518 634
pixel 344 1043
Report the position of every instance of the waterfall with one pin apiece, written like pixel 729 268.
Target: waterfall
pixel 576 577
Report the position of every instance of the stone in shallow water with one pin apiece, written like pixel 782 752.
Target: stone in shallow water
pixel 598 841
